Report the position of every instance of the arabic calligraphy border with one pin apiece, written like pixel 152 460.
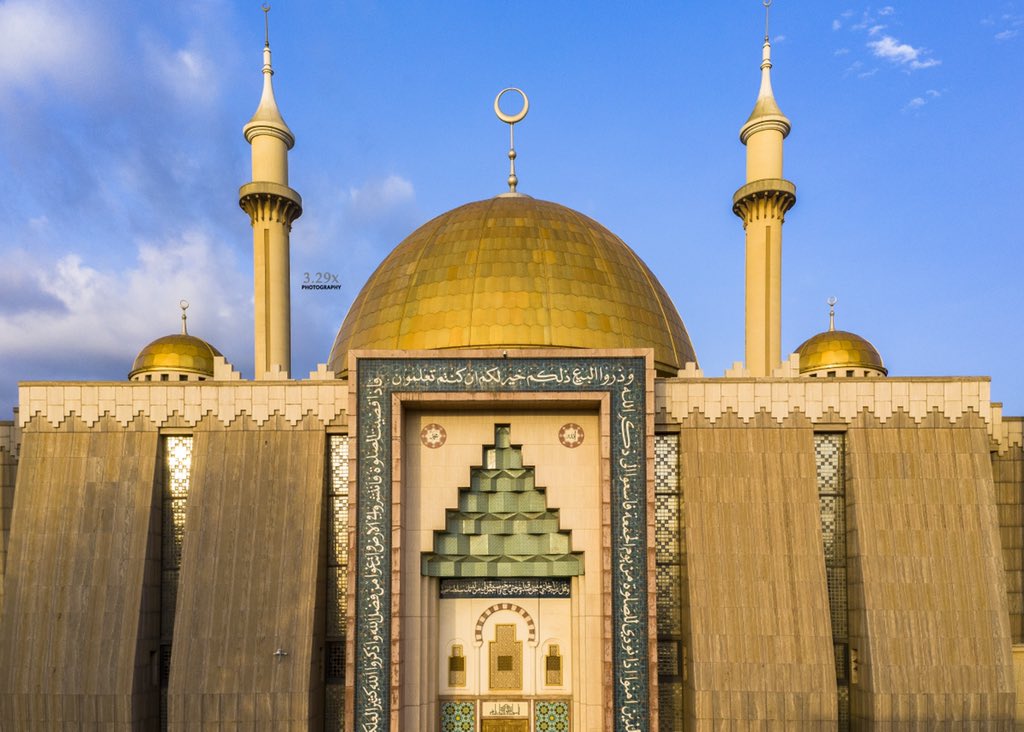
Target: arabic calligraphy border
pixel 549 587
pixel 623 378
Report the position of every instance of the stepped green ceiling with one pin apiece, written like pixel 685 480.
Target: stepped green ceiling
pixel 503 526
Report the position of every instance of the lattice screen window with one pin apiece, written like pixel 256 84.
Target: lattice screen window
pixel 506 659
pixel 830 460
pixel 456 667
pixel 553 666
pixel 177 467
pixel 669 558
pixel 336 504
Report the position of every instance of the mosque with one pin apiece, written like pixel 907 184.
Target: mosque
pixel 511 500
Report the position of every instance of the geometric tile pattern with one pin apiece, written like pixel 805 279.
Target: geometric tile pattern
pixel 553 667
pixel 458 716
pixel 506 658
pixel 177 465
pixel 456 667
pixel 830 464
pixel 337 568
pixel 551 716
pixel 624 381
pixel 668 558
pixel 503 526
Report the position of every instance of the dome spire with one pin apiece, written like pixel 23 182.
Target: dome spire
pixel 511 120
pixel 184 306
pixel 832 313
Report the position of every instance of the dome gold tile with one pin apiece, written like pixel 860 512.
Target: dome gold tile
pixel 525 273
pixel 837 349
pixel 180 352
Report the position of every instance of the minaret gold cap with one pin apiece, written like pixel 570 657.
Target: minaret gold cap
pixel 766 114
pixel 268 120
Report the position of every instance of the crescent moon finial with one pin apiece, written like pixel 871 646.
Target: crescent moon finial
pixel 832 312
pixel 511 120
pixel 767 4
pixel 266 24
pixel 184 306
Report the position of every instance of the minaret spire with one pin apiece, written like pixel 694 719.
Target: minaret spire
pixel 272 207
pixel 762 204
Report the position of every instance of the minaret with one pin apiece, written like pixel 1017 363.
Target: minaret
pixel 272 207
pixel 762 204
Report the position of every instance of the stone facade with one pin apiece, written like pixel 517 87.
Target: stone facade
pixel 742 613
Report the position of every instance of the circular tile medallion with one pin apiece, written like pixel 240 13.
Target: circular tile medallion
pixel 571 435
pixel 433 436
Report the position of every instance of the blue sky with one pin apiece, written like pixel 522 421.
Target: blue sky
pixel 122 154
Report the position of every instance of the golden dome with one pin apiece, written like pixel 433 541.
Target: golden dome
pixel 839 350
pixel 179 353
pixel 513 272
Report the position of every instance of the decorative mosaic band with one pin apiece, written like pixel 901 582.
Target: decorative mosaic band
pixel 452 589
pixel 624 380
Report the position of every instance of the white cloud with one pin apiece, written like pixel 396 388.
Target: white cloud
pixel 379 196
pixel 1006 35
pixel 887 10
pixel 876 29
pixel 902 54
pixel 45 41
pixel 918 102
pixel 107 315
pixel 841 52
pixel 779 38
pixel 836 24
pixel 186 72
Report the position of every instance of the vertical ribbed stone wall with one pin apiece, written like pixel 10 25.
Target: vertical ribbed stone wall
pixel 756 613
pixel 8 473
pixel 1008 473
pixel 80 622
pixel 928 611
pixel 248 632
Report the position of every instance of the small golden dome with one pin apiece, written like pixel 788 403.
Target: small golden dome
pixel 179 354
pixel 838 350
pixel 513 272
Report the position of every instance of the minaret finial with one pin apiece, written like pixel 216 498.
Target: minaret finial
pixel 266 25
pixel 767 4
pixel 184 306
pixel 832 312
pixel 511 120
